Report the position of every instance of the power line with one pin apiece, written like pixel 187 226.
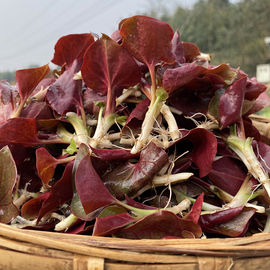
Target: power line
pixel 30 23
pixel 49 39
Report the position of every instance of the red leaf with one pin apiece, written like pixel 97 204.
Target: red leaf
pixel 28 79
pixel 66 93
pixel 8 176
pixel 148 40
pixel 202 147
pixel 71 47
pixel 160 225
pixel 232 222
pixel 32 207
pixel 92 192
pixel 224 171
pixel 178 48
pixel 107 65
pixel 190 51
pixel 45 164
pixel 19 130
pixel 60 193
pixel 112 224
pixel 128 178
pixel 231 102
pixel 195 212
pixel 177 77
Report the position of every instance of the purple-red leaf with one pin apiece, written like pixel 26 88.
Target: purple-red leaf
pixel 8 177
pixel 191 51
pixel 227 174
pixel 46 164
pixel 148 40
pixel 65 94
pixel 254 89
pixel 178 48
pixel 19 130
pixel 195 212
pixel 91 190
pixel 107 65
pixel 135 119
pixel 111 224
pixel 160 225
pixel 231 222
pixel 113 154
pixel 231 102
pixel 60 193
pixel 8 94
pixel 128 178
pixel 71 47
pixel 30 210
pixel 201 145
pixel 177 77
pixel 28 79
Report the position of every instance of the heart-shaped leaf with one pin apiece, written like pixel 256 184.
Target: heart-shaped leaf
pixel 148 40
pixel 107 65
pixel 71 47
pixel 28 79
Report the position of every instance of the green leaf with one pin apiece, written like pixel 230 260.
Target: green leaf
pixel 71 149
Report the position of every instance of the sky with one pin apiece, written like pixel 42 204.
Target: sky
pixel 29 29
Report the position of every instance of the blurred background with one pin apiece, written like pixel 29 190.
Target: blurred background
pixel 236 32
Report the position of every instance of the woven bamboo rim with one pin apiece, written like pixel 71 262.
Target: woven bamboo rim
pixel 70 251
pixel 38 250
pixel 262 123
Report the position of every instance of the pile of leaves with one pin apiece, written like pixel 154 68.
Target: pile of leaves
pixel 135 136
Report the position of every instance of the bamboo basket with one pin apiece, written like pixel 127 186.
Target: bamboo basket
pixel 39 250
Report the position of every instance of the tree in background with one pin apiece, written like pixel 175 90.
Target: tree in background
pixel 233 33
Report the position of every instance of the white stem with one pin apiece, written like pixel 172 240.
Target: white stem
pixel 243 148
pixel 65 223
pixel 126 93
pixel 173 127
pixel 147 126
pixel 164 180
pixel 183 205
pixel 171 179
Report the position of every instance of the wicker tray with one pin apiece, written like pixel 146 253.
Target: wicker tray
pixel 28 249
pixel 31 250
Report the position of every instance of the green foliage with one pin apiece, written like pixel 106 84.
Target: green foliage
pixel 8 75
pixel 232 32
